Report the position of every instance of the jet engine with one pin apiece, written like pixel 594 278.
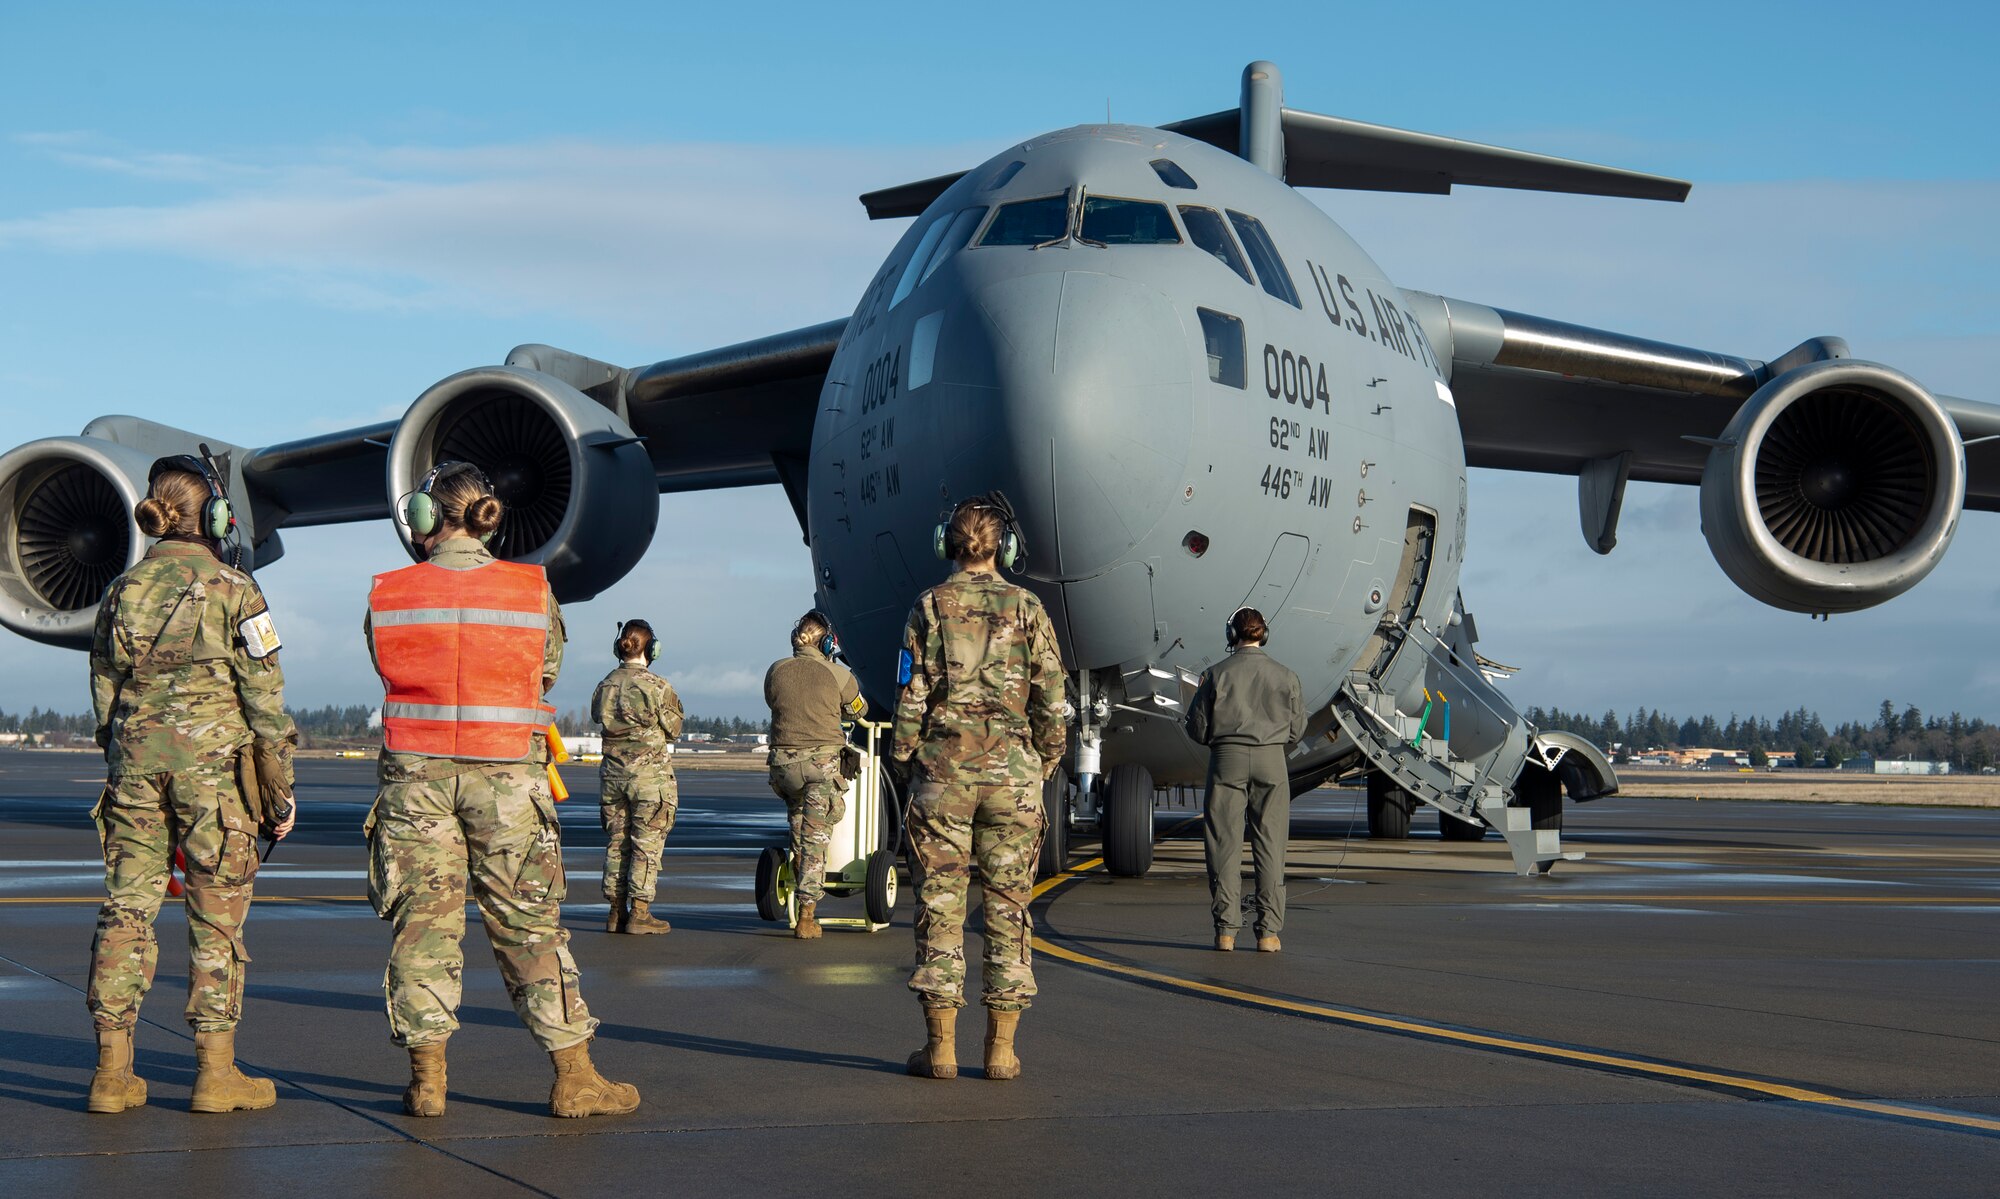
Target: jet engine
pixel 1836 486
pixel 581 493
pixel 66 530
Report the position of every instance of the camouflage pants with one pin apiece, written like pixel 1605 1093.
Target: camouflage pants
pixel 816 799
pixel 638 813
pixel 498 825
pixel 140 818
pixel 951 826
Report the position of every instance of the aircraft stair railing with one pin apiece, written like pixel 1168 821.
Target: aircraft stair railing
pixel 1415 752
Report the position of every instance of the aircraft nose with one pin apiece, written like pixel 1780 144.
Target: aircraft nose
pixel 1095 411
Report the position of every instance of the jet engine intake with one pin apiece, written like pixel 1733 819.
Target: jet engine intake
pixel 581 493
pixel 1835 487
pixel 66 531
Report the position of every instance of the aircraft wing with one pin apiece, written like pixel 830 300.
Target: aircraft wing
pixel 1541 395
pixel 579 449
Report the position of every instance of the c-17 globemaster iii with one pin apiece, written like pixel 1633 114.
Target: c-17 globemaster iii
pixel 1199 393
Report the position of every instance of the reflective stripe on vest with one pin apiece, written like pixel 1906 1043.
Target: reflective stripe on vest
pixel 460 653
pixel 524 620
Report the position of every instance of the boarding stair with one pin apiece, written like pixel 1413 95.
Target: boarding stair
pixel 1415 752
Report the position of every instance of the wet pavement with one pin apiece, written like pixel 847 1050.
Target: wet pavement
pixel 1740 997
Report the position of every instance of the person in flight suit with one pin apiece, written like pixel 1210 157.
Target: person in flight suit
pixel 809 693
pixel 641 718
pixel 467 645
pixel 185 681
pixel 980 722
pixel 1248 712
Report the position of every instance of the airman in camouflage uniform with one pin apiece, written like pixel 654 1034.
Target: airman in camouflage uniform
pixel 184 674
pixel 641 717
pixel 981 717
pixel 434 821
pixel 808 694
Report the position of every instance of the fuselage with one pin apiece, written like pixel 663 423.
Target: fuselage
pixel 1221 402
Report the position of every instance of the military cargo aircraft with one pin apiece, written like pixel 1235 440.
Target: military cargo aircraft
pixel 1199 393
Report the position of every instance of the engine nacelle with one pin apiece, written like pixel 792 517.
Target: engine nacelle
pixel 1835 487
pixel 66 531
pixel 581 493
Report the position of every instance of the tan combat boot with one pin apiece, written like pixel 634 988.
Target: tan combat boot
pixel 939 1056
pixel 642 921
pixel 1268 943
pixel 615 922
pixel 581 1091
pixel 114 1087
pixel 808 929
pixel 218 1085
pixel 1000 1060
pixel 425 1094
pixel 1225 942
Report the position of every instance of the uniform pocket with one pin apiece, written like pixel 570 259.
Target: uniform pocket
pixel 544 862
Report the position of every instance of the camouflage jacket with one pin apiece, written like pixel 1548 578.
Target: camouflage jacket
pixel 184 663
pixel 465 553
pixel 982 684
pixel 641 716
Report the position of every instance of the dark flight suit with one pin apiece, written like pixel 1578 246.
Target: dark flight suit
pixel 1249 713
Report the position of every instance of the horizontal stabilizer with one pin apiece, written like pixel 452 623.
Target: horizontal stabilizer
pixel 1324 151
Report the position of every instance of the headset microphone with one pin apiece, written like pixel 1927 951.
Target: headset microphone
pixel 420 510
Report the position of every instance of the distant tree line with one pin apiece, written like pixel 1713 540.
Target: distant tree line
pixel 333 727
pixel 1967 743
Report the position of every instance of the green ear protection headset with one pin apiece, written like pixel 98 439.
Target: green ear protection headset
pixel 217 517
pixel 652 640
pixel 421 512
pixel 1012 551
pixel 828 644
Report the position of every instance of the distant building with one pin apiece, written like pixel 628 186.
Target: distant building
pixel 1911 766
pixel 584 743
pixel 753 738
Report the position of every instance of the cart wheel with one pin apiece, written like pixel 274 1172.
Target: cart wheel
pixel 770 904
pixel 881 894
pixel 1055 826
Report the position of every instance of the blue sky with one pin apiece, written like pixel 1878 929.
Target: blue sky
pixel 262 221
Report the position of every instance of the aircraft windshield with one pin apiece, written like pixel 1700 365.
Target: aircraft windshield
pixel 1206 230
pixel 1127 223
pixel 1270 268
pixel 1028 222
pixel 953 240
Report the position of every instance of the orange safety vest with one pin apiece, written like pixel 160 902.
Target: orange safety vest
pixel 460 653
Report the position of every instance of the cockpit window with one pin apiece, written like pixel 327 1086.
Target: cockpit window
pixel 1264 255
pixel 913 269
pixel 1206 230
pixel 1112 222
pixel 953 240
pixel 1171 174
pixel 1003 175
pixel 1028 222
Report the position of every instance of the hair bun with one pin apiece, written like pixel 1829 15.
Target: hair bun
pixel 154 517
pixel 482 515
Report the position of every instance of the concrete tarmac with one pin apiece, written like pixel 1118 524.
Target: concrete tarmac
pixel 1742 998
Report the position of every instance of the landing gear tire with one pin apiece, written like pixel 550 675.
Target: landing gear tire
pixel 1389 808
pixel 1541 793
pixel 1055 826
pixel 771 900
pixel 881 892
pixel 1128 821
pixel 1451 828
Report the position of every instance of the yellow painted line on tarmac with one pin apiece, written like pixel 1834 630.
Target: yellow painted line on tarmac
pixel 1905 900
pixel 1600 1059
